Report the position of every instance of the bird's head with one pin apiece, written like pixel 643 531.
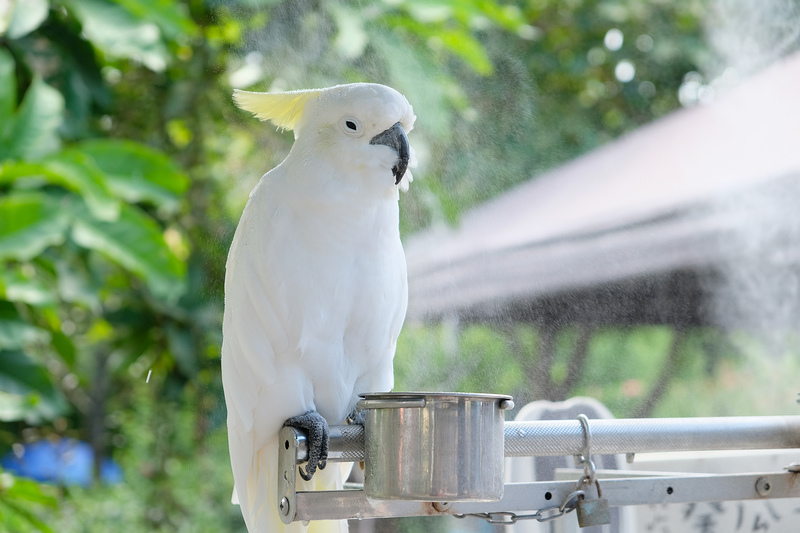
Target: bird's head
pixel 358 125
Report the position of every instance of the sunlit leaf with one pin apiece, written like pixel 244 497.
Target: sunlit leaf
pixel 26 16
pixel 457 41
pixel 138 173
pixel 120 33
pixel 17 496
pixel 16 517
pixel 16 334
pixel 22 489
pixel 27 392
pixel 78 76
pixel 136 242
pixel 351 39
pixel 469 49
pixel 31 133
pixel 17 288
pixel 29 223
pixel 171 17
pixel 414 73
pixel 73 284
pixel 72 170
pixel 8 89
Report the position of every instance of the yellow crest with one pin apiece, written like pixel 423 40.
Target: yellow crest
pixel 283 109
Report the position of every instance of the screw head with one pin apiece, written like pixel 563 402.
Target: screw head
pixel 441 506
pixel 284 506
pixel 763 486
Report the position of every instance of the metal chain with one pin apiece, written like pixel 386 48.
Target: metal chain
pixel 557 511
pixel 542 515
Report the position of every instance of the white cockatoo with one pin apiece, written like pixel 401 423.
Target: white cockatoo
pixel 315 284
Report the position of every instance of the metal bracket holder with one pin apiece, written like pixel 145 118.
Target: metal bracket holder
pixel 563 437
pixel 292 443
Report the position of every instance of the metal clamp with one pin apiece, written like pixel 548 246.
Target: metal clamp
pixel 585 458
pixel 290 441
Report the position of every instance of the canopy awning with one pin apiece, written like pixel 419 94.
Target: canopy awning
pixel 643 222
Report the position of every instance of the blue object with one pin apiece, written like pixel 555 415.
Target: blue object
pixel 62 462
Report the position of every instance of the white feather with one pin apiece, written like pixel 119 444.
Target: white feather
pixel 315 290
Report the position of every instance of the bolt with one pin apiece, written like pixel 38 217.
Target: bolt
pixel 284 506
pixel 763 486
pixel 441 506
pixel 794 468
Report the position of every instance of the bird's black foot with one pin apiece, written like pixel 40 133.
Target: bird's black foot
pixel 316 429
pixel 356 416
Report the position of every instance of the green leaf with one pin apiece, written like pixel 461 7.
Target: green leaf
pixel 26 392
pixel 32 132
pixel 16 516
pixel 8 89
pixel 29 223
pixel 134 241
pixel 64 347
pixel 119 33
pixel 74 285
pixel 78 76
pixel 171 17
pixel 72 170
pixel 18 288
pixel 470 50
pixel 27 490
pixel 182 349
pixel 80 173
pixel 15 334
pixel 26 16
pixel 137 173
pixel 414 72
pixel 458 42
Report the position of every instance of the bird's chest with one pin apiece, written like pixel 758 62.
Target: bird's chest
pixel 346 304
pixel 343 281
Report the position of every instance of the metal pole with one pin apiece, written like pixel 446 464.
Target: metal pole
pixel 639 435
pixel 611 436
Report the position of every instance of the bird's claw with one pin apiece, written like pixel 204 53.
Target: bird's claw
pixel 316 429
pixel 357 416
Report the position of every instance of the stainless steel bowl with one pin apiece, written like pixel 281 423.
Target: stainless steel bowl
pixel 444 447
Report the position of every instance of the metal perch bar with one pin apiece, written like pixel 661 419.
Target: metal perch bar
pixel 611 436
pixel 632 435
pixel 520 497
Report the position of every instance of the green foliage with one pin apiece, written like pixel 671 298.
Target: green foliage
pixel 717 374
pixel 30 131
pixel 27 393
pixel 20 499
pixel 174 481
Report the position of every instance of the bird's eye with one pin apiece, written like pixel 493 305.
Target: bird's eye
pixel 350 125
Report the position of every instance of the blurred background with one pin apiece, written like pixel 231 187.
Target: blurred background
pixel 606 206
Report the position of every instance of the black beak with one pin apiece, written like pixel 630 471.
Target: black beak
pixel 395 137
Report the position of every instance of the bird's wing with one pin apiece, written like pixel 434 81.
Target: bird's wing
pixel 253 333
pixel 262 386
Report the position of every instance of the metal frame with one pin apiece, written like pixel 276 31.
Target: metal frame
pixel 546 495
pixel 550 499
